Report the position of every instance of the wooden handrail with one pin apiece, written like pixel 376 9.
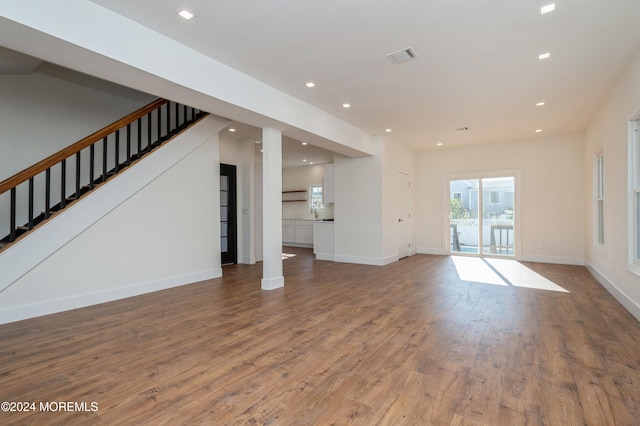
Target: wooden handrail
pixel 67 152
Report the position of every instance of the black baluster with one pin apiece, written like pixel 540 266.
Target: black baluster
pixel 63 183
pixel 77 175
pixel 117 166
pixel 159 123
pixel 105 146
pixel 184 113
pixel 148 148
pixel 47 193
pixel 128 144
pixel 139 137
pixel 177 123
pixel 12 219
pixel 168 120
pixel 92 156
pixel 30 203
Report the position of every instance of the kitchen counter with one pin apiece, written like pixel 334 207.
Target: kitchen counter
pixel 323 239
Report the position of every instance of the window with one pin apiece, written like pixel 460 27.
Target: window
pixel 495 197
pixel 634 197
pixel 598 196
pixel 315 200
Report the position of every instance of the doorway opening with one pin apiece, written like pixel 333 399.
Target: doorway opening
pixel 482 215
pixel 228 223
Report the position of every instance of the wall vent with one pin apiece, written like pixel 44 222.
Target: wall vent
pixel 402 56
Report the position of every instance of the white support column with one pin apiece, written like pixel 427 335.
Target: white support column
pixel 272 277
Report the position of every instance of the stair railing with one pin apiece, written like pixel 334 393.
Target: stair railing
pixel 91 161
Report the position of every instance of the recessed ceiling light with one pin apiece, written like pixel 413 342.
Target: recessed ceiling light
pixel 540 104
pixel 548 8
pixel 439 144
pixel 310 162
pixel 538 130
pixel 258 142
pixel 304 160
pixel 304 143
pixel 310 84
pixel 544 55
pixel 186 14
pixel 387 130
pixel 346 106
pixel 232 130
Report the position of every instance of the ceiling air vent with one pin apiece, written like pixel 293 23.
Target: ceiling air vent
pixel 403 55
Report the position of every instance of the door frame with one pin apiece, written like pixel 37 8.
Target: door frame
pixel 404 215
pixel 517 222
pixel 231 255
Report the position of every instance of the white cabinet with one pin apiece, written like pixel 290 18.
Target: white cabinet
pixel 328 184
pixel 297 232
pixel 288 231
pixel 304 232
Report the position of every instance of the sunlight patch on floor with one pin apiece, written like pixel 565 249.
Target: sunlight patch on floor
pixel 474 269
pixel 287 255
pixel 504 272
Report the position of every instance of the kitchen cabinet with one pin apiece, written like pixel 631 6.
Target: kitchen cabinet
pixel 288 231
pixel 304 232
pixel 298 233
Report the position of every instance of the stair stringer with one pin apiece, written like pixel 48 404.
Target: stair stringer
pixel 37 275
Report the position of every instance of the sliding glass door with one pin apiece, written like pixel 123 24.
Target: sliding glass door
pixel 482 215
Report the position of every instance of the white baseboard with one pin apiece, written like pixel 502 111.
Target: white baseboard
pixel 375 261
pixel 552 259
pixel 23 312
pixel 272 283
pixel 324 256
pixel 247 260
pixel 431 250
pixel 297 245
pixel 619 295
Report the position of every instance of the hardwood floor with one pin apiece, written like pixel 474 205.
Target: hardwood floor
pixel 406 344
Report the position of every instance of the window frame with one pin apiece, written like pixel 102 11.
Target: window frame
pixel 633 263
pixel 312 198
pixel 599 203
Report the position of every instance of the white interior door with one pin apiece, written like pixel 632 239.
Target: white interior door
pixel 404 215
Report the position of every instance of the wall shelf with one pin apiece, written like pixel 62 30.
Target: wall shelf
pixel 298 193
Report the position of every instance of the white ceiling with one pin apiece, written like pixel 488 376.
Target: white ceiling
pixel 477 64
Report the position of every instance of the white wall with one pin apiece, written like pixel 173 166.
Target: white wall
pixel 358 208
pixel 154 226
pixel 608 130
pixel 43 112
pixel 552 187
pixel 366 204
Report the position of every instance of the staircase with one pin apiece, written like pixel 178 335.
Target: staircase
pixel 55 183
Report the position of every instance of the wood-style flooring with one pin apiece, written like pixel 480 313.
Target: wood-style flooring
pixel 412 343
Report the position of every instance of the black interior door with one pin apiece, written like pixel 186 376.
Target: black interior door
pixel 228 227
